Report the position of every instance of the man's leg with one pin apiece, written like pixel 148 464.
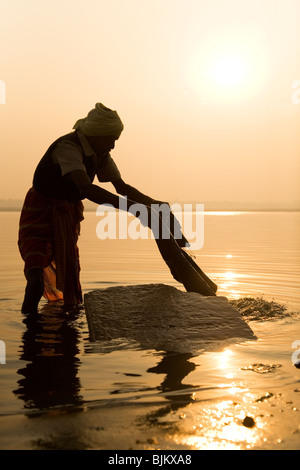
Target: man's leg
pixel 34 290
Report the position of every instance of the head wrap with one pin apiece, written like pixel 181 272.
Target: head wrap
pixel 100 121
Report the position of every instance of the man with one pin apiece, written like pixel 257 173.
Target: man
pixel 52 210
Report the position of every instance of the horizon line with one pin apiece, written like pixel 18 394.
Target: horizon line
pixel 15 205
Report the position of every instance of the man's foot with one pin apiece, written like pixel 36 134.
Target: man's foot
pixel 34 291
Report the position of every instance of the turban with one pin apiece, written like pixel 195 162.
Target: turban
pixel 100 121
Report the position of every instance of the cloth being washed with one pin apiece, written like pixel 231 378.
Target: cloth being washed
pixel 182 266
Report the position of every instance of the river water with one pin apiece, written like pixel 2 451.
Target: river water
pixel 243 396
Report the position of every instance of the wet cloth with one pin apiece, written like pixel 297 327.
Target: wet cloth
pixel 48 234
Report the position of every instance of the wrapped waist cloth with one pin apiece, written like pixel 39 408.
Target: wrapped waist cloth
pixel 48 234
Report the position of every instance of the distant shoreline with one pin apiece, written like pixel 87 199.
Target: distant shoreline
pixel 207 208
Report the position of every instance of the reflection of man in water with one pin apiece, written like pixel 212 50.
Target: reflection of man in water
pixel 176 367
pixel 49 364
pixel 52 211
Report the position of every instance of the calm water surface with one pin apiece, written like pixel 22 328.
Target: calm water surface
pixel 148 399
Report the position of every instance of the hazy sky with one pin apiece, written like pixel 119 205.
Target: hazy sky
pixel 204 88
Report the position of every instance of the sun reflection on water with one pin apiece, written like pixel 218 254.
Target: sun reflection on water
pixel 219 427
pixel 229 275
pixel 229 423
pixel 224 358
pixel 229 283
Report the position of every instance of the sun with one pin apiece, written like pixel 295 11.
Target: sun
pixel 229 71
pixel 228 67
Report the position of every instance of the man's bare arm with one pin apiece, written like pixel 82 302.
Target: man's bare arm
pixel 132 193
pixel 91 191
pixel 101 196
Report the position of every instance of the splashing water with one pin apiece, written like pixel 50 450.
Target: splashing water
pixel 259 309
